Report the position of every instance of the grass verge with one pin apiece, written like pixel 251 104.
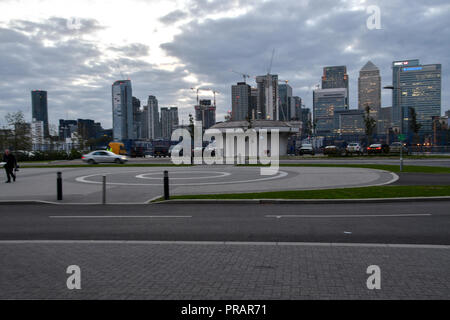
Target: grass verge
pixel 366 157
pixel 386 167
pixel 345 193
pixel 105 165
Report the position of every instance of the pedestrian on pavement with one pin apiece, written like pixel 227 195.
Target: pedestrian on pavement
pixel 10 165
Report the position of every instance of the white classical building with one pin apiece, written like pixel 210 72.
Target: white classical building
pixel 284 131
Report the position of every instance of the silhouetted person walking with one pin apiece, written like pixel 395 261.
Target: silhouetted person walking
pixel 10 165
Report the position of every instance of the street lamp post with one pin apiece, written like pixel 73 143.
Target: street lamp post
pixel 401 126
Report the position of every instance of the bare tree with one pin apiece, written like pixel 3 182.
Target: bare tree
pixel 369 124
pixel 20 131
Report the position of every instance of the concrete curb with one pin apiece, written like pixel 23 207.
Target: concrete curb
pixel 227 243
pixel 42 202
pixel 234 201
pixel 302 201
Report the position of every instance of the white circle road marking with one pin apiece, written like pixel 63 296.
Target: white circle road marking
pixel 281 174
pixel 221 174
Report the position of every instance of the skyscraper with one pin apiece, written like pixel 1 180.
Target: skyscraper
pixel 169 121
pixel 306 121
pixel 336 77
pixel 122 108
pixel 419 87
pixel 206 113
pixel 39 109
pixel 325 103
pixel 137 118
pixel 253 103
pixel 285 92
pixel 296 108
pixel 369 88
pixel 268 101
pixel 153 124
pixel 240 101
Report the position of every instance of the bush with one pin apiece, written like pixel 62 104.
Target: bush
pixel 48 155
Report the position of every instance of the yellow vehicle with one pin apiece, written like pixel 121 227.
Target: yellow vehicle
pixel 117 148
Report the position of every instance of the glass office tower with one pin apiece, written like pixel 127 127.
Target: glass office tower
pixel 285 92
pixel 326 102
pixel 240 101
pixel 39 109
pixel 336 77
pixel 122 108
pixel 419 87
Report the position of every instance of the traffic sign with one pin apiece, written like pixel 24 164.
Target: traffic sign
pixel 402 137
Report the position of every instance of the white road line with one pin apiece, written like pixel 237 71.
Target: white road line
pixel 349 215
pixel 394 178
pixel 83 179
pixel 220 175
pixel 115 217
pixel 229 243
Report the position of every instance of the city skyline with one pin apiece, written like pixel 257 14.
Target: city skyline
pixel 81 62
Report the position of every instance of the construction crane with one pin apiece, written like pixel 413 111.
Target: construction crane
pixel 196 89
pixel 244 75
pixel 214 92
pixel 206 89
pixel 271 61
pixel 121 73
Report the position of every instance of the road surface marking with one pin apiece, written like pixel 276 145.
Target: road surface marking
pixel 349 215
pixel 114 217
pixel 219 175
pixel 230 243
pixel 84 179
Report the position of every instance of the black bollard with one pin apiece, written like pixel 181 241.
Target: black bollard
pixel 59 189
pixel 166 185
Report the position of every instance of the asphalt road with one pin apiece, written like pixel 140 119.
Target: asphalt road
pixel 141 184
pixel 397 223
pixel 422 179
pixel 443 162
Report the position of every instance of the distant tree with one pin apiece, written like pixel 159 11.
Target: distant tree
pixel 20 131
pixel 308 128
pixel 191 125
pixel 314 126
pixel 5 133
pixel 369 124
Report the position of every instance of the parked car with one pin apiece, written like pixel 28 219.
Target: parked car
pixel 99 156
pixel 374 149
pixel 378 148
pixel 332 151
pixel 354 148
pixel 305 148
pixel 161 151
pixel 397 146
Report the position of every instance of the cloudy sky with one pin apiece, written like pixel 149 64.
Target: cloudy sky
pixel 76 49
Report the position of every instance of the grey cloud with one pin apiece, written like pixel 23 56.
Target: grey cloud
pixel 210 49
pixel 62 69
pixel 132 50
pixel 54 28
pixel 174 17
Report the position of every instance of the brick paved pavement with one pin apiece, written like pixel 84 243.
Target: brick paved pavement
pixel 219 271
